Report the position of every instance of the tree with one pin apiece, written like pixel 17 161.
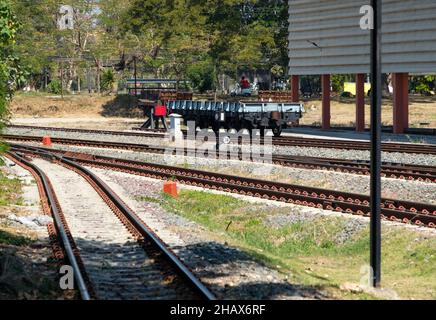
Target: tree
pixel 36 39
pixel 9 63
pixel 171 38
pixel 179 35
pixel 248 33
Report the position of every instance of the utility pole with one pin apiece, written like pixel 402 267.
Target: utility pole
pixel 135 75
pixel 376 102
pixel 98 77
pixel 62 79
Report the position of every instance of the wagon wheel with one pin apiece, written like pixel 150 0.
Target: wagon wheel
pixel 277 131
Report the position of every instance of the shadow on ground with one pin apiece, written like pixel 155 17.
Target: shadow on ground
pixel 123 106
pixel 24 273
pixel 213 260
pixel 228 272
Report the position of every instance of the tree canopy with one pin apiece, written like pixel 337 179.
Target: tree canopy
pixel 9 68
pixel 194 39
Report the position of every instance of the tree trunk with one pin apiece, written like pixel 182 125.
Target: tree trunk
pixel 78 83
pixel 217 80
pixel 69 85
pixel 98 79
pixel 88 79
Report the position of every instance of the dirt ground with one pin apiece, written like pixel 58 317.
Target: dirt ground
pixel 79 111
pixel 119 112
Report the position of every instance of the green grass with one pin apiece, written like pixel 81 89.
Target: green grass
pixel 10 194
pixel 308 252
pixel 10 191
pixel 13 239
pixel 32 94
pixel 43 94
pixel 148 199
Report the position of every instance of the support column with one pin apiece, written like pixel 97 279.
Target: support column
pixel 360 102
pixel 400 83
pixel 325 82
pixel 295 88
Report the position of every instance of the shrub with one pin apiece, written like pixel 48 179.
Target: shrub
pixel 201 75
pixel 54 87
pixel 108 80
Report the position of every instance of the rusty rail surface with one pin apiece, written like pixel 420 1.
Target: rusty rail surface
pixel 392 209
pixel 61 231
pixel 137 227
pixel 279 141
pixel 389 170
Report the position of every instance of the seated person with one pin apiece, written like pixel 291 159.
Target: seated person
pixel 244 83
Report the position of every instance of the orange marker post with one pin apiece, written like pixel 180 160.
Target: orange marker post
pixel 46 140
pixel 170 188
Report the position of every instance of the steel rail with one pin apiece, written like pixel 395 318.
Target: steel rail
pixel 406 211
pixel 159 134
pixel 65 241
pixel 140 226
pixel 279 141
pixel 390 170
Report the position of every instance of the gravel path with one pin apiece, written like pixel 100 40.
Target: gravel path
pixel 115 263
pixel 229 272
pixel 392 188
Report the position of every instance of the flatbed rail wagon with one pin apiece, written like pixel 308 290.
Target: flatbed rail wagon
pixel 239 115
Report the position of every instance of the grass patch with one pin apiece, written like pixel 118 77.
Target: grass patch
pixel 13 239
pixel 10 191
pixel 148 199
pixel 311 253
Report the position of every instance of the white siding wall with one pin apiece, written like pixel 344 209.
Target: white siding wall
pixel 409 37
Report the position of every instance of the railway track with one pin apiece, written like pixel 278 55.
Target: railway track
pixel 127 276
pixel 392 209
pixel 390 170
pixel 279 141
pixel 63 244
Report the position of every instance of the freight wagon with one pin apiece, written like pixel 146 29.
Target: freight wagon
pixel 238 115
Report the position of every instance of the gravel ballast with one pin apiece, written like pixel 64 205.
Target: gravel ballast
pixel 392 188
pixel 229 272
pixel 418 159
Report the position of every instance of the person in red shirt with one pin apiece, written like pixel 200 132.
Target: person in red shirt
pixel 244 83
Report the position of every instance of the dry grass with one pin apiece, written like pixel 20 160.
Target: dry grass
pixel 343 112
pixel 41 106
pixel 25 105
pixel 422 109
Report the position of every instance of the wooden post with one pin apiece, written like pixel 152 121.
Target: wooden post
pixel 135 76
pixel 401 102
pixel 62 79
pixel 360 102
pixel 326 115
pixel 295 88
